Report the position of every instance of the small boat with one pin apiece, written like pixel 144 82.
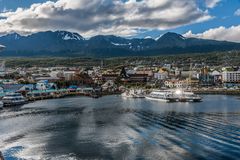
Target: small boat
pixel 161 95
pixel 13 99
pixel 133 94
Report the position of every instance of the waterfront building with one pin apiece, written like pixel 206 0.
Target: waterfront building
pixel 231 78
pixel 205 78
pixel 217 77
pixel 175 83
pixel 45 85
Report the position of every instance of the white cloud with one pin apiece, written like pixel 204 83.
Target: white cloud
pixel 220 33
pixel 103 16
pixel 237 12
pixel 211 3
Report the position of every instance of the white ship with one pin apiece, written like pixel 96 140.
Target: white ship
pixel 13 99
pixel 162 95
pixel 174 96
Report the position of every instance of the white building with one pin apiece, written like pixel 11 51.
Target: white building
pixel 231 76
pixel 175 83
pixel 56 74
pixel 68 75
pixel 161 76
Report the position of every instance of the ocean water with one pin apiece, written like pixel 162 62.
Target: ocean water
pixel 112 127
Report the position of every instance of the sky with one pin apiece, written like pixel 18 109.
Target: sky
pixel 208 19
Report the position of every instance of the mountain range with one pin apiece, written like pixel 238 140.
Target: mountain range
pixel 63 43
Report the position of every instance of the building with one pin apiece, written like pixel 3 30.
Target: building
pixel 161 75
pixel 45 85
pixel 217 77
pixel 69 75
pixel 109 86
pixel 205 78
pixel 175 83
pixel 231 78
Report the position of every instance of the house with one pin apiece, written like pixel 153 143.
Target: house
pixel 161 75
pixel 45 85
pixel 109 86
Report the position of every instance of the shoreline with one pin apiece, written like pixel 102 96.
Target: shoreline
pixel 103 94
pixel 217 92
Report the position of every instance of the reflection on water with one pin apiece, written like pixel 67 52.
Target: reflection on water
pixel 116 128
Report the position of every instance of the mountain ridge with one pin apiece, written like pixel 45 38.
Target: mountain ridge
pixel 64 43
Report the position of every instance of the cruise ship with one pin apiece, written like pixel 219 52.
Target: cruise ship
pixel 13 99
pixel 162 95
pixel 177 95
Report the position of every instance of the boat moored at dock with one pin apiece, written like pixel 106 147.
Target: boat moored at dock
pixel 13 99
pixel 133 94
pixel 177 95
pixel 161 95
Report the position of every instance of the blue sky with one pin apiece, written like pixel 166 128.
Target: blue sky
pixel 197 18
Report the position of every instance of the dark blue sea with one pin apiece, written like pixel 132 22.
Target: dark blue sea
pixel 126 129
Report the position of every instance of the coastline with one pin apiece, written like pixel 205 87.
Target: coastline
pixel 217 92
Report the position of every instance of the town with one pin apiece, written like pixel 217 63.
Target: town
pixel 53 82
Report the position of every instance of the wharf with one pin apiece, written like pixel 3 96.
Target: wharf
pixel 218 91
pixel 53 94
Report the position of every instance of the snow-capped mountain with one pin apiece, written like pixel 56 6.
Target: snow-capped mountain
pixel 63 43
pixel 70 36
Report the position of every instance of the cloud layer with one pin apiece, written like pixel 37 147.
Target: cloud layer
pixel 124 18
pixel 220 33
pixel 211 3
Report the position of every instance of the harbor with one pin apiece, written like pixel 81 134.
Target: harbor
pixel 170 95
pixel 113 127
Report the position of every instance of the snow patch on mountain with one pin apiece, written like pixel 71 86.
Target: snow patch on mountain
pixel 119 44
pixel 148 37
pixel 71 36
